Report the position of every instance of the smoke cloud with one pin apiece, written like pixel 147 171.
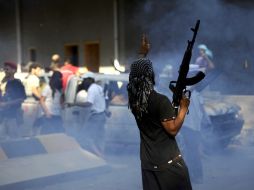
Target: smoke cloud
pixel 226 28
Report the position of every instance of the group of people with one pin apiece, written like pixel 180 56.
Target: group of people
pixel 49 96
pixel 14 92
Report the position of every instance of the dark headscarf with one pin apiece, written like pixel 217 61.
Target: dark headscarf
pixel 141 82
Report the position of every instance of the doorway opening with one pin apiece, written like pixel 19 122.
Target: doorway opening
pixel 72 52
pixel 92 56
pixel 32 55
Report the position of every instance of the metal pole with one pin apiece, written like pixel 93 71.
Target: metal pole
pixel 115 31
pixel 18 34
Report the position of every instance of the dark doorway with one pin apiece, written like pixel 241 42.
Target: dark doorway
pixel 71 52
pixel 32 54
pixel 92 56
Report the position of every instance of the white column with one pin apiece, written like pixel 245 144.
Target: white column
pixel 18 34
pixel 115 31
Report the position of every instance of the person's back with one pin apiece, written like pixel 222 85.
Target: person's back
pixel 52 102
pixel 93 132
pixel 95 95
pixel 158 146
pixel 14 90
pixel 68 70
pixel 162 165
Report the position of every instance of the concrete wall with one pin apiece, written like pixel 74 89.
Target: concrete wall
pixel 48 26
pixel 7 31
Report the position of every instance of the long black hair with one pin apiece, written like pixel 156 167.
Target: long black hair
pixel 141 82
pixel 55 82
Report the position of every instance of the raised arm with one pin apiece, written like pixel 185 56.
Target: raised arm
pixel 174 125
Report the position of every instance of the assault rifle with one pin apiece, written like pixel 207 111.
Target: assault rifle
pixel 179 87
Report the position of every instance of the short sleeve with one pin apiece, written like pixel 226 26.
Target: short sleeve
pixel 166 110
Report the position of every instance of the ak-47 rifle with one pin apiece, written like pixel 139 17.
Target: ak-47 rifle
pixel 179 87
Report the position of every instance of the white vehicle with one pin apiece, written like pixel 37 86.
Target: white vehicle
pixel 121 129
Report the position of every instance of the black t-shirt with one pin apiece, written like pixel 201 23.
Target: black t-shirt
pixel 157 146
pixel 14 90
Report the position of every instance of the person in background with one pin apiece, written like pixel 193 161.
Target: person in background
pixel 32 82
pixel 204 60
pixel 68 70
pixel 55 59
pixel 190 136
pixel 10 102
pixel 55 66
pixel 33 86
pixel 205 64
pixel 94 129
pixel 116 95
pixel 55 63
pixel 163 167
pixel 51 103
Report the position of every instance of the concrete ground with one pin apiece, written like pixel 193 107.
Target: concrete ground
pixel 123 174
pixel 231 168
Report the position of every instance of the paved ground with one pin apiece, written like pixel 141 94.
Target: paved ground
pixel 232 168
pixel 123 174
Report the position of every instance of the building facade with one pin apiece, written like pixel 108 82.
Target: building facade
pixel 89 32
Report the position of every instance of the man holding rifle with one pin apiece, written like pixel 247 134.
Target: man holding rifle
pixel 161 161
pixel 159 121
